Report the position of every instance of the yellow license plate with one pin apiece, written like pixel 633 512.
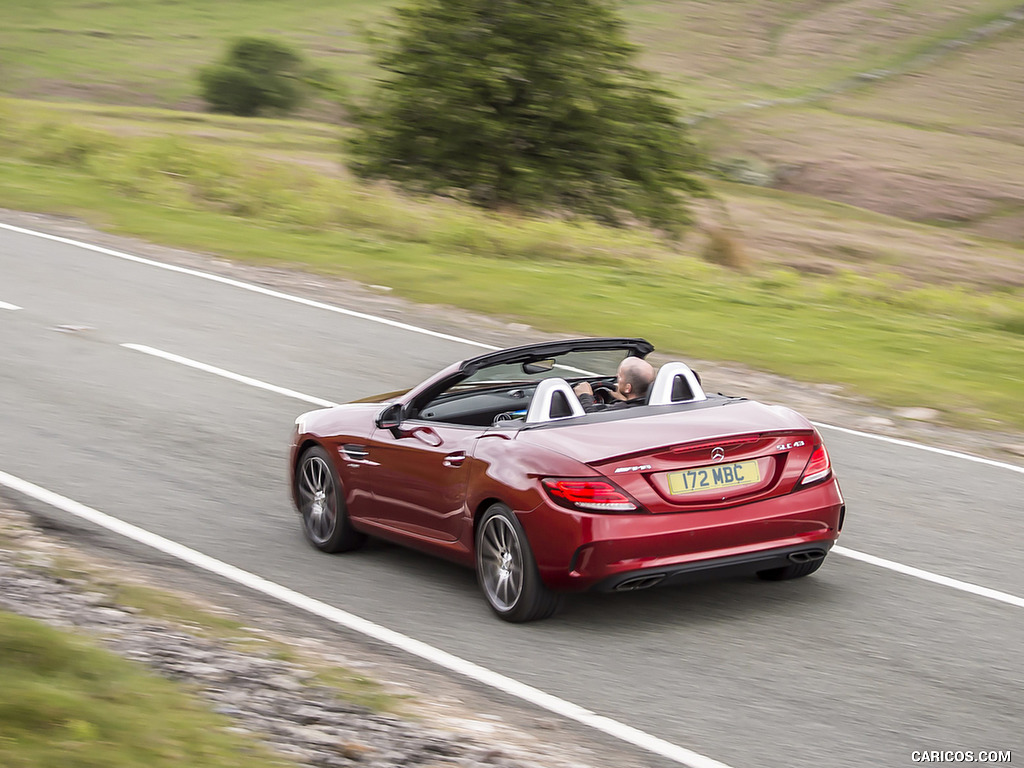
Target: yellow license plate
pixel 710 478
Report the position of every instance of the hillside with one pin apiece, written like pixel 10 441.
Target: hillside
pixel 870 158
pixel 910 109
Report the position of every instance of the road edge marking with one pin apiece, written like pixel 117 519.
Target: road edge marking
pixel 351 621
pixel 923 447
pixel 935 578
pixel 228 374
pixel 247 286
pixel 416 329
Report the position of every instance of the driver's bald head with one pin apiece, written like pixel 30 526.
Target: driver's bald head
pixel 635 377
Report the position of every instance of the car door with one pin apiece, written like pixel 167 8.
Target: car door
pixel 419 485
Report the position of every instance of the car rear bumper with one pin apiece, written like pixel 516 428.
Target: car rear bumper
pixel 577 551
pixel 718 567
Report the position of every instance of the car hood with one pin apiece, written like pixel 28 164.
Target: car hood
pixel 601 441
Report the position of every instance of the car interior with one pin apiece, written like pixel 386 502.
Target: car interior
pixel 515 404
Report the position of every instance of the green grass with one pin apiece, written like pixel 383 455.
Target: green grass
pixel 200 620
pixel 360 689
pixel 67 702
pixel 947 348
pixel 163 606
pixel 114 51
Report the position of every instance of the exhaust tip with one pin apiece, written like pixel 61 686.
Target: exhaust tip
pixel 640 582
pixel 807 556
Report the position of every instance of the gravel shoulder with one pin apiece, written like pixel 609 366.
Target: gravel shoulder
pixel 264 675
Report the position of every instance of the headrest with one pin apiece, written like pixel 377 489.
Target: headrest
pixel 675 383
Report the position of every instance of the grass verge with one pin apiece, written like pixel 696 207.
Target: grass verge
pixel 951 349
pixel 204 621
pixel 67 702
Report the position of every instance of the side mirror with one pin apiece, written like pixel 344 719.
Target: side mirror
pixel 390 417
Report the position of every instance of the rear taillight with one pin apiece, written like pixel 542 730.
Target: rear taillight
pixel 588 495
pixel 818 468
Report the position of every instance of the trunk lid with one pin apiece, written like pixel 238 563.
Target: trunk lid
pixel 693 459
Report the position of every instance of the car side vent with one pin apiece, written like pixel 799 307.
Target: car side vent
pixel 354 452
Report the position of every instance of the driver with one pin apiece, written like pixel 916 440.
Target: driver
pixel 632 381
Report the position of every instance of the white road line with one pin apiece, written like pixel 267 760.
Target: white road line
pixel 935 578
pixel 892 565
pixel 12 307
pixel 920 447
pixel 434 655
pixel 247 286
pixel 229 375
pixel 416 329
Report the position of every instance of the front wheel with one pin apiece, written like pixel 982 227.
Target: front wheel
pixel 507 571
pixel 322 504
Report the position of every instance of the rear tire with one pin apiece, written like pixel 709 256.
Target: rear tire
pixel 507 571
pixel 321 501
pixel 794 571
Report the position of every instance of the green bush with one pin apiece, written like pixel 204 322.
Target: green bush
pixel 723 248
pixel 256 75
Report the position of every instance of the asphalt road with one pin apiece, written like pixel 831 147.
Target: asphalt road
pixel 855 666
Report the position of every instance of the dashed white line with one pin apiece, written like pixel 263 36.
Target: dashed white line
pixel 228 374
pixel 416 329
pixel 892 565
pixel 342 618
pixel 12 307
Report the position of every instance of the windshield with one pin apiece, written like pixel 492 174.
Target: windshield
pixel 570 366
pixel 503 390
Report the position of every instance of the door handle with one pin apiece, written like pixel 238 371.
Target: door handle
pixel 454 459
pixel 427 435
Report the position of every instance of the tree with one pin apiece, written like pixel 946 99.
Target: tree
pixel 534 103
pixel 256 75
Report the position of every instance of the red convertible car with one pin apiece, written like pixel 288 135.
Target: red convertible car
pixel 495 463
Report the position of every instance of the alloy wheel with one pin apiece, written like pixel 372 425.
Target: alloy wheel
pixel 501 563
pixel 318 497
